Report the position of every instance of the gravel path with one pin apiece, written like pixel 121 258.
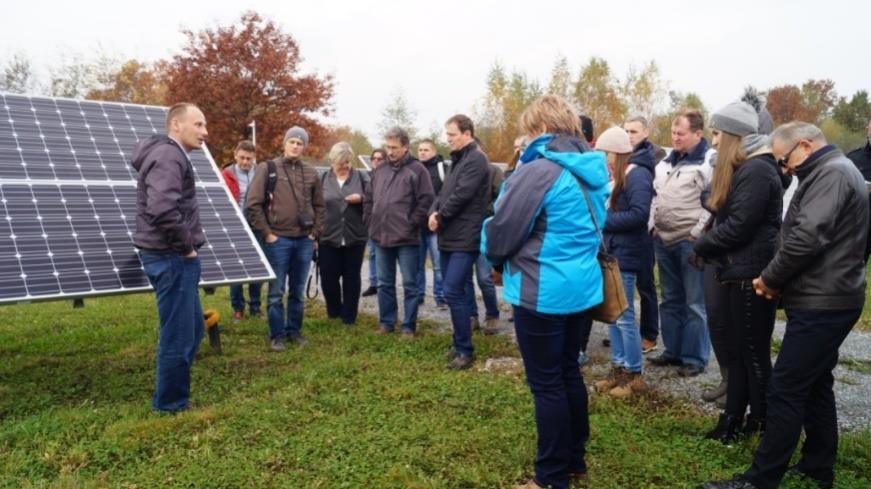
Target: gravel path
pixel 852 375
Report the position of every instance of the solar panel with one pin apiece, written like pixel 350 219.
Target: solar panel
pixel 68 203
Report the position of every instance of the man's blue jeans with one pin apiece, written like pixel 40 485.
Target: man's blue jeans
pixel 237 297
pixel 291 260
pixel 624 334
pixel 386 258
pixel 683 323
pixel 457 266
pixel 175 280
pixel 373 269
pixel 429 243
pixel 484 277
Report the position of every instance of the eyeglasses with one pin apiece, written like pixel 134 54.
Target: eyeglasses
pixel 783 161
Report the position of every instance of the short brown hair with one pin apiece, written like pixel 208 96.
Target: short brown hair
pixel 463 122
pixel 693 117
pixel 427 141
pixel 245 145
pixel 177 111
pixel 550 112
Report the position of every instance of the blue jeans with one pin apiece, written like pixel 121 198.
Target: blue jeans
pixel 175 280
pixel 373 269
pixel 549 346
pixel 457 266
pixel 290 259
pixel 484 277
pixel 429 242
pixel 683 323
pixel 625 335
pixel 408 257
pixel 237 297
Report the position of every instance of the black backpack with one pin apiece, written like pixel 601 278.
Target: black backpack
pixel 269 187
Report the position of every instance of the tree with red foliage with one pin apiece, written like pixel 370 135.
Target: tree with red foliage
pixel 246 72
pixel 811 103
pixel 784 105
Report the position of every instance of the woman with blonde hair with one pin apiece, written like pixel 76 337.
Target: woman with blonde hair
pixel 746 195
pixel 544 238
pixel 343 241
pixel 626 238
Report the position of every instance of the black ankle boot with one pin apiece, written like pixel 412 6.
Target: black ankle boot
pixel 727 430
pixel 753 426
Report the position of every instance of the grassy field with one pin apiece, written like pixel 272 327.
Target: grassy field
pixel 349 410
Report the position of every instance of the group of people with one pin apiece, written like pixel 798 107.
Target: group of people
pixel 711 216
pixel 403 210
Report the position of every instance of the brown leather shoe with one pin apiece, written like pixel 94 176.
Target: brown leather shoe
pixel 612 380
pixel 491 326
pixel 633 383
pixel 476 325
pixel 647 346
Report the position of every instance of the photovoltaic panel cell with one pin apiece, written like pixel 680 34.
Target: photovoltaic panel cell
pixel 68 203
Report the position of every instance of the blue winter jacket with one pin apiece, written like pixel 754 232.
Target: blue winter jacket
pixel 542 233
pixel 626 235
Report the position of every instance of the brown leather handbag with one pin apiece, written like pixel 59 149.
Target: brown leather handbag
pixel 614 302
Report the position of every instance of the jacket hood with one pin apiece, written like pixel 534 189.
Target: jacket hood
pixel 570 153
pixel 697 155
pixel 644 156
pixel 434 160
pixel 145 146
pixel 754 144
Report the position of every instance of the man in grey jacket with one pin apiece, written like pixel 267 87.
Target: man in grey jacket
pixel 394 208
pixel 168 235
pixel 819 274
pixel 678 220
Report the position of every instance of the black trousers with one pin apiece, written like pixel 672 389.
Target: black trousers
pixel 718 327
pixel 340 280
pixel 800 397
pixel 644 283
pixel 750 320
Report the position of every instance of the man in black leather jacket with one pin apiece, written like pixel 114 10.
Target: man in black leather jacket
pixel 819 272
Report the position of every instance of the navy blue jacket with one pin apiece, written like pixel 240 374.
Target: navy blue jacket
pixel 626 235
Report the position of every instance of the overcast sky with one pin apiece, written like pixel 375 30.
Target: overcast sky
pixel 439 52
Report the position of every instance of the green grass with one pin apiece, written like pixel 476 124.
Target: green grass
pixel 349 410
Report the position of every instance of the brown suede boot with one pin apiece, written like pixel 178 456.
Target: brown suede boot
pixel 633 384
pixel 612 380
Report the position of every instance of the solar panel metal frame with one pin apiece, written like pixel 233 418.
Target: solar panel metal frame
pixel 202 187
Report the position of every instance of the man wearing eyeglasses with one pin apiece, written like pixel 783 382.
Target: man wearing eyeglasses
pixel 818 273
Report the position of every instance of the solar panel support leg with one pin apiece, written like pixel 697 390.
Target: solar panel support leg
pixel 78 303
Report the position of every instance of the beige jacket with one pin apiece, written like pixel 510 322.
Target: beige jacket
pixel 676 211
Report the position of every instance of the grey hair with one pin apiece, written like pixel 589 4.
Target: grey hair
pixel 639 119
pixel 341 151
pixel 398 133
pixel 793 132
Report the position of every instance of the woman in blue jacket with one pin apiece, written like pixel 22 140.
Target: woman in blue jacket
pixel 543 240
pixel 626 238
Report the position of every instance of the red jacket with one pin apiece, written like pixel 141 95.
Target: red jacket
pixel 230 179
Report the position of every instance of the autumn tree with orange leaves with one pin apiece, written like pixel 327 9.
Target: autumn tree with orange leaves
pixel 249 72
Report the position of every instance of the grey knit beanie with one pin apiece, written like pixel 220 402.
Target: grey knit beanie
pixel 298 133
pixel 738 118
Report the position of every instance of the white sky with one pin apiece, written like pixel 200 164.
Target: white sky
pixel 439 52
